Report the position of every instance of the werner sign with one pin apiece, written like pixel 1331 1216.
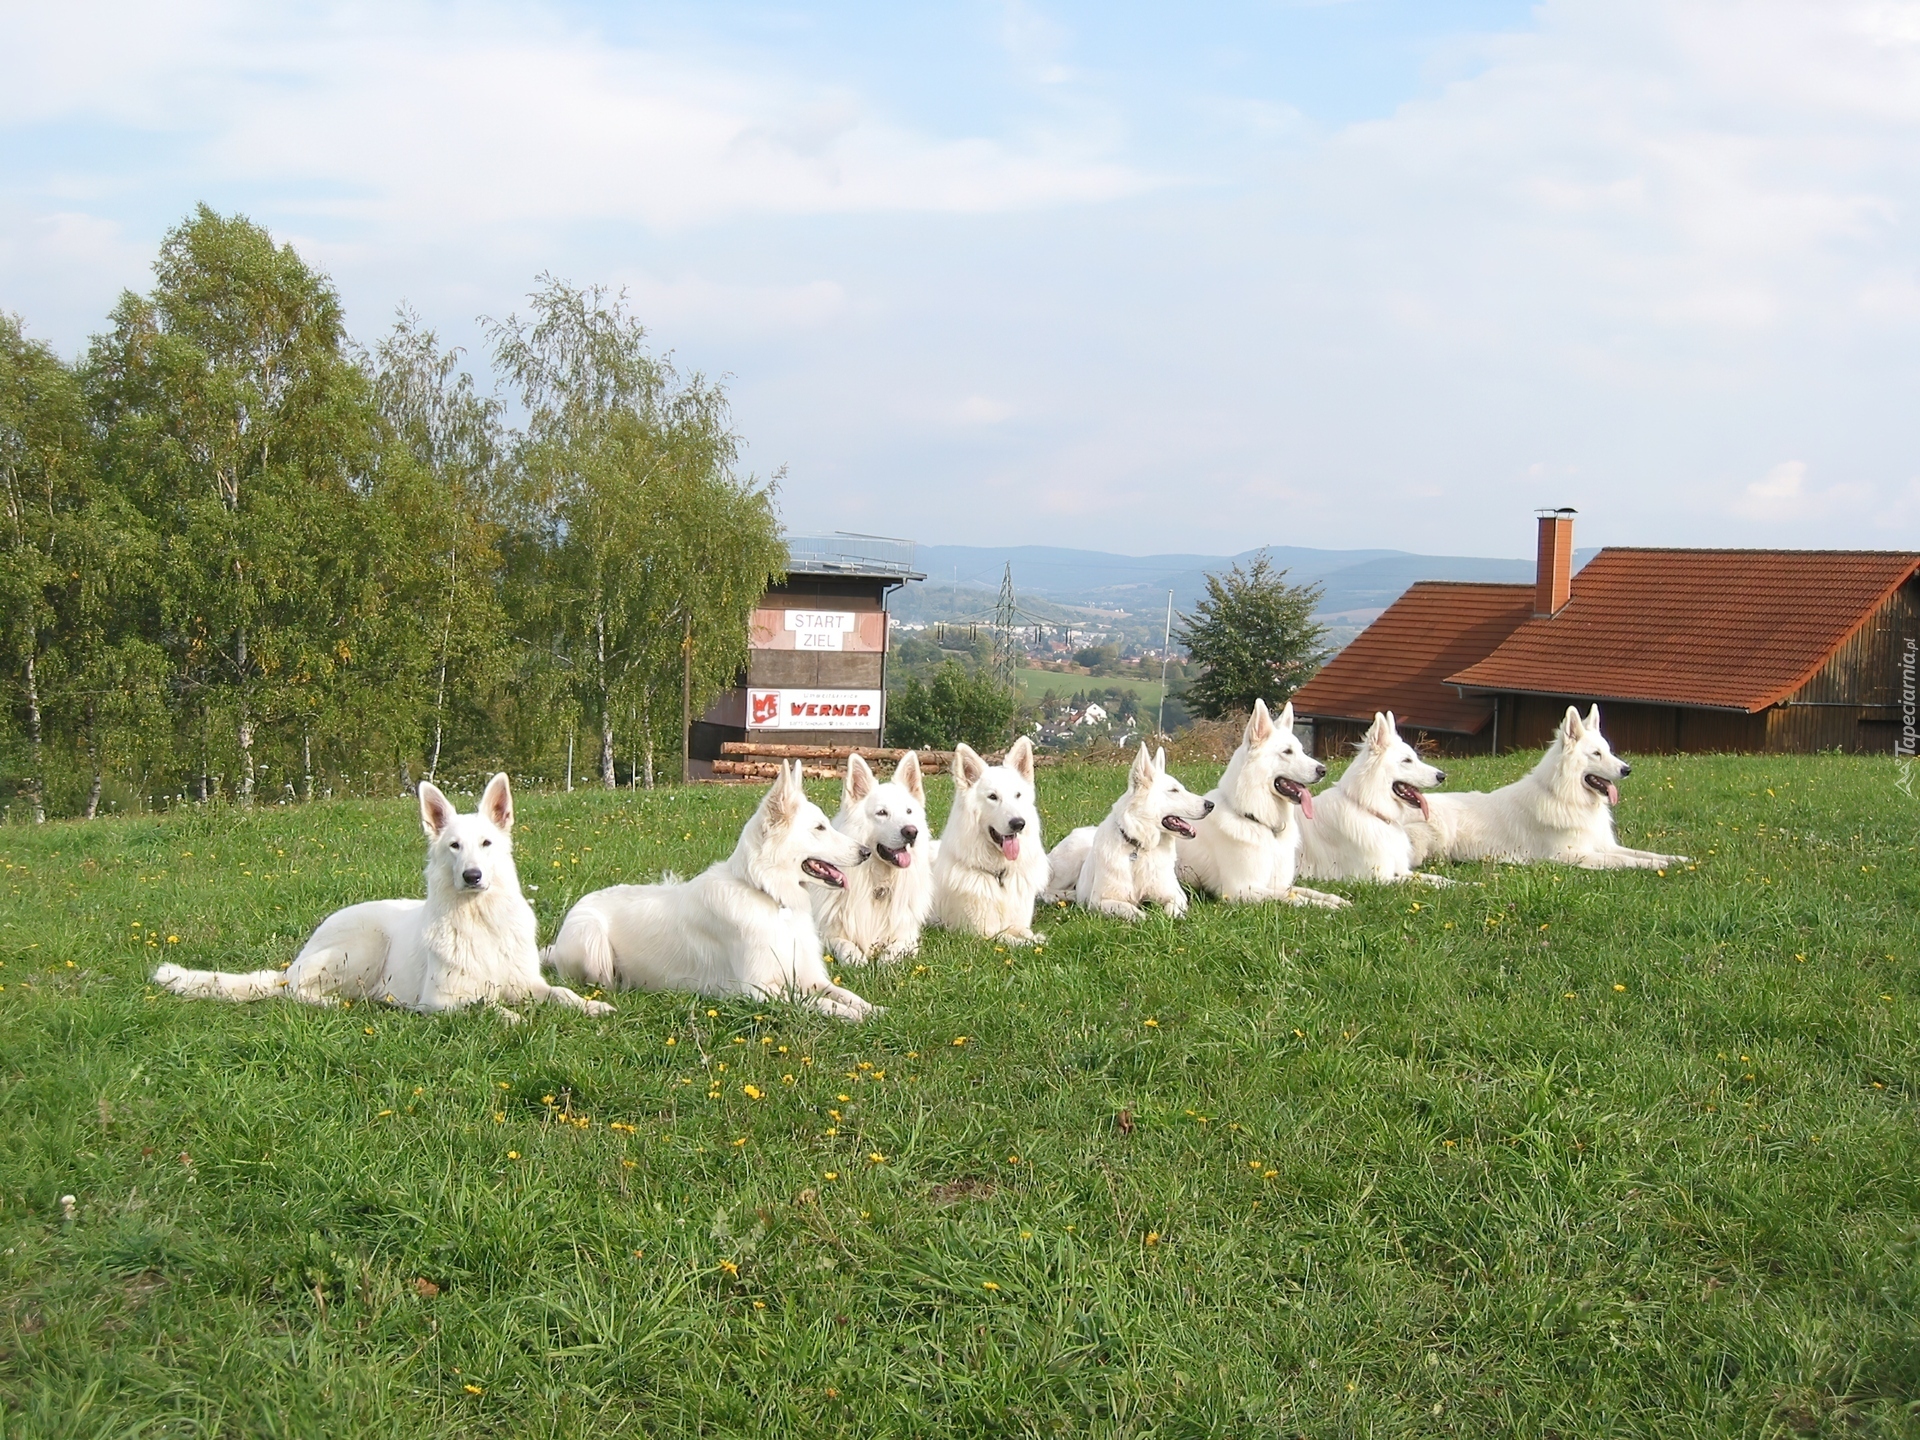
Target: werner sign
pixel 813 709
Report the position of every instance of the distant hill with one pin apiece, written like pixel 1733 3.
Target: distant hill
pixel 963 580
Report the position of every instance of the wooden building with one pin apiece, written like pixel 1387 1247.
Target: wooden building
pixel 1684 650
pixel 817 660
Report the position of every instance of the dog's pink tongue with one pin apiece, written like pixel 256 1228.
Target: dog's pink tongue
pixel 1306 803
pixel 1421 796
pixel 903 857
pixel 1010 847
pixel 1613 794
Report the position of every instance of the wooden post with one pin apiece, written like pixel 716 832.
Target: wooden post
pixel 686 703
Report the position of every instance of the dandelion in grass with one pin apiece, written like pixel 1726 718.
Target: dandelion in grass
pixel 1151 1023
pixel 1153 1238
pixel 473 1389
pixel 752 1092
pixel 513 1154
pixel 874 1157
pixel 961 1039
pixel 741 1141
pixel 1619 988
pixel 730 1267
pixel 829 1174
pixel 988 1285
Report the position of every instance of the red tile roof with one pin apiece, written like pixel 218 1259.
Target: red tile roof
pixel 1731 629
pixel 1401 661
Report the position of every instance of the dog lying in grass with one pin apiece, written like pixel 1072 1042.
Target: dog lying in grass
pixel 1248 848
pixel 743 926
pixel 889 896
pixel 1359 828
pixel 991 865
pixel 472 941
pixel 1561 810
pixel 1128 859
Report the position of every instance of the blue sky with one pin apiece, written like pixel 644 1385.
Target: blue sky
pixel 1372 273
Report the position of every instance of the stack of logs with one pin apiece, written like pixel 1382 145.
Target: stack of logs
pixel 753 760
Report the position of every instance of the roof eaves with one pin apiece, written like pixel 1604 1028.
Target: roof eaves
pixel 1471 689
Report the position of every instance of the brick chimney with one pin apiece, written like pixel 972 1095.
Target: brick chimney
pixel 1553 574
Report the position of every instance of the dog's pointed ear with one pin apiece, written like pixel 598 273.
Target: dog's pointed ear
pixel 1571 726
pixel 859 782
pixel 1593 716
pixel 968 767
pixel 1378 731
pixel 1140 773
pixel 436 811
pixel 783 798
pixel 1020 758
pixel 1285 722
pixel 496 801
pixel 1160 759
pixel 1259 725
pixel 907 773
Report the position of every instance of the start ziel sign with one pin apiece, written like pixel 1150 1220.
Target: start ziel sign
pixel 819 629
pixel 813 709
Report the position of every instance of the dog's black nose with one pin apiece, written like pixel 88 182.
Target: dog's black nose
pixel 1017 824
pixel 1625 769
pixel 1321 771
pixel 471 875
pixel 909 833
pixel 1439 777
pixel 1206 808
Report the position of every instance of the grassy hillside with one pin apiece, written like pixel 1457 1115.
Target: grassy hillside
pixel 1550 1152
pixel 1051 682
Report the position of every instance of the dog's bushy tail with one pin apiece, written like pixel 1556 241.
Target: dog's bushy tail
pixel 582 950
pixel 219 984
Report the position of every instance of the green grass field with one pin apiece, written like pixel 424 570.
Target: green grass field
pixel 1036 683
pixel 1552 1153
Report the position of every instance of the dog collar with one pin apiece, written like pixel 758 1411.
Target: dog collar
pixel 1383 819
pixel 1136 844
pixel 1256 820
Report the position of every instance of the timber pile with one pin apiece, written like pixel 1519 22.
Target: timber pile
pixel 750 760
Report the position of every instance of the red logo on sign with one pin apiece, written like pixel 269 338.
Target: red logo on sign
pixel 766 708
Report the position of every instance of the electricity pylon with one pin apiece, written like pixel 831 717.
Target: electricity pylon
pixel 1003 616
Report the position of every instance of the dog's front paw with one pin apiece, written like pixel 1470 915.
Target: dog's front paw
pixel 846 952
pixel 597 1007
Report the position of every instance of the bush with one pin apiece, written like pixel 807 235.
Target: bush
pixel 955 706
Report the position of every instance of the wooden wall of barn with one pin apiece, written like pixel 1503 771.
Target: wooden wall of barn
pixel 1528 722
pixel 1337 739
pixel 1853 703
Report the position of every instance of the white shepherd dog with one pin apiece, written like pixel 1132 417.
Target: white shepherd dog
pixel 472 941
pixel 1128 859
pixel 1247 849
pixel 992 864
pixel 889 896
pixel 1359 828
pixel 1561 810
pixel 743 926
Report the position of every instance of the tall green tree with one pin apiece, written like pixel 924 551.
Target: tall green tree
pixel 1255 636
pixel 642 553
pixel 46 476
pixel 439 488
pixel 243 430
